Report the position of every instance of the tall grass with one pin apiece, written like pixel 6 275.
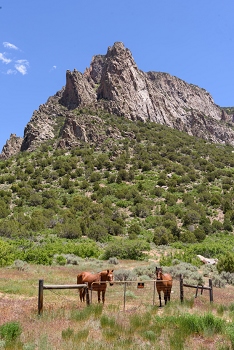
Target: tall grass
pixel 66 325
pixel 98 327
pixel 84 314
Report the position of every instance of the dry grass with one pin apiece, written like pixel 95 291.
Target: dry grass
pixel 19 300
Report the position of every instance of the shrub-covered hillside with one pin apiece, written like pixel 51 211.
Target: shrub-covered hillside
pixel 152 185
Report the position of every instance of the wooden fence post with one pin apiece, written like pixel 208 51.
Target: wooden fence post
pixel 181 288
pixel 154 292
pixel 43 286
pixel 40 297
pixel 211 290
pixel 87 295
pixel 125 284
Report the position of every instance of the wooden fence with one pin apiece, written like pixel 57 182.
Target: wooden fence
pixel 197 287
pixel 42 286
pixel 145 286
pixel 140 285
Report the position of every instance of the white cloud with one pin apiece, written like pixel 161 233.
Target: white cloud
pixel 23 62
pixel 17 65
pixel 53 68
pixel 4 59
pixel 21 66
pixel 11 71
pixel 10 46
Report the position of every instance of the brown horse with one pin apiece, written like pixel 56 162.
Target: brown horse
pixel 96 282
pixel 163 284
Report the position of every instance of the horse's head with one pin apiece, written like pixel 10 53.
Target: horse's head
pixel 108 276
pixel 158 272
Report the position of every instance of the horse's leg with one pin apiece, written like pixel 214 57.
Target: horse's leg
pixel 103 296
pixel 99 296
pixel 165 296
pixel 81 295
pixel 160 301
pixel 169 294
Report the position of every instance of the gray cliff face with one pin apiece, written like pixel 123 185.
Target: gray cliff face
pixel 11 147
pixel 78 92
pixel 114 83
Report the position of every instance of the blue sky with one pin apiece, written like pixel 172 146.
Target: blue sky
pixel 40 40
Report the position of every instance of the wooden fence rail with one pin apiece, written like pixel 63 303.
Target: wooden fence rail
pixel 42 286
pixel 197 287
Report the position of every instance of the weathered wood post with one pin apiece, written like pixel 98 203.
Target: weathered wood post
pixel 202 289
pixel 154 292
pixel 181 288
pixel 211 290
pixel 196 290
pixel 125 285
pixel 40 296
pixel 43 286
pixel 87 295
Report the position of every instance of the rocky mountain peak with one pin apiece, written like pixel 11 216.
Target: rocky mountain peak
pixel 113 83
pixel 117 49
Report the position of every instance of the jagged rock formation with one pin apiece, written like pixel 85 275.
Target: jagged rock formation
pixel 12 146
pixel 114 83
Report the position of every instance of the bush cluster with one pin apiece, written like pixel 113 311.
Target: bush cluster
pixel 153 182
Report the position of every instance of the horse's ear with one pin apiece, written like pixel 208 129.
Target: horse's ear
pixel 107 271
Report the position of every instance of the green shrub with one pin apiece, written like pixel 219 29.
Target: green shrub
pixel 10 331
pixel 144 271
pixel 70 230
pixel 125 275
pixel 199 234
pixel 107 321
pixel 150 335
pixel 81 335
pixel 98 231
pixel 187 237
pixel 113 260
pixel 162 236
pixel 226 263
pixel 4 209
pixel 126 249
pixel 6 253
pixel 10 228
pixel 87 248
pixel 67 333
pixel 227 277
pixel 191 217
pixel 36 255
pixel 61 260
pixel 134 230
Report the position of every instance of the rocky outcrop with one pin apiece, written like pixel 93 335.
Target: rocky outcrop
pixel 86 128
pixel 122 89
pixel 78 92
pixel 44 123
pixel 207 260
pixel 12 146
pixel 115 84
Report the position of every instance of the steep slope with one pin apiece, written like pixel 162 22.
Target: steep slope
pixel 114 83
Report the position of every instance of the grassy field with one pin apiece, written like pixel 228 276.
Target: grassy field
pixel 141 324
